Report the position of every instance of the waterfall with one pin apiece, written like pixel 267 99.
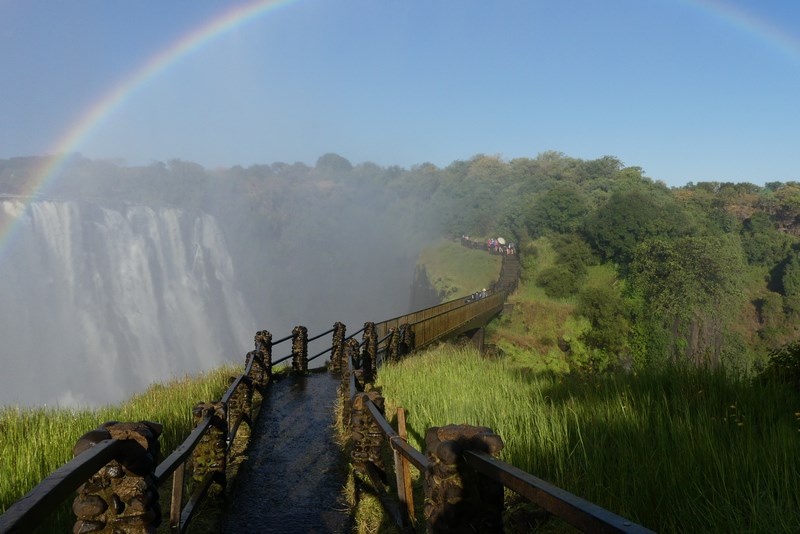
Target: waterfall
pixel 96 302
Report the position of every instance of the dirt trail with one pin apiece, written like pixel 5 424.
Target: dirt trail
pixel 292 479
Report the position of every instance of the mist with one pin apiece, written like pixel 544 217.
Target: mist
pixel 118 277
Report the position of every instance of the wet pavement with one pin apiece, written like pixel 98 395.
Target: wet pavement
pixel 293 478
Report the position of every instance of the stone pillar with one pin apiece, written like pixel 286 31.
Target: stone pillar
pixel 365 432
pixel 122 496
pixel 241 402
pixel 458 499
pixel 263 359
pixel 337 350
pixel 370 353
pixel 300 349
pixel 406 339
pixel 355 358
pixel 393 347
pixel 349 360
pixel 210 454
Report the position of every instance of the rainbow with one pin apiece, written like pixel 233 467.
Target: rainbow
pixel 746 22
pixel 68 142
pixel 249 11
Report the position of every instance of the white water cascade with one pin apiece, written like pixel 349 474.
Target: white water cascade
pixel 96 303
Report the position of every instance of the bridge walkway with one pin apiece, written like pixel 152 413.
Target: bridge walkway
pixel 293 477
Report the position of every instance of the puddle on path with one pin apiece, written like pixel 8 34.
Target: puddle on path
pixel 292 479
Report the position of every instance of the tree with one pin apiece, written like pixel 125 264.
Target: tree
pixel 333 163
pixel 691 284
pixel 628 219
pixel 573 256
pixel 560 209
pixel 558 282
pixel 762 243
pixel 608 314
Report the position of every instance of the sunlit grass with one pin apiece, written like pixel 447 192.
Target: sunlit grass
pixel 457 271
pixel 36 441
pixel 676 450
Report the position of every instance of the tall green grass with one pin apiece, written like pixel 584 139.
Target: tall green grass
pixel 676 449
pixel 34 442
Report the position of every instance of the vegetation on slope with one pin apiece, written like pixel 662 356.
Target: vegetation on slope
pixel 708 272
pixel 676 448
pixel 455 271
pixel 654 304
pixel 34 442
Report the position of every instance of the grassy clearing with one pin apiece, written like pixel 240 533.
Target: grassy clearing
pixel 36 441
pixel 529 336
pixel 456 271
pixel 676 449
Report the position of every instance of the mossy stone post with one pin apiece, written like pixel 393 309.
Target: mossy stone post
pixel 350 354
pixel 356 361
pixel 210 454
pixel 392 351
pixel 300 349
pixel 366 434
pixel 406 339
pixel 122 496
pixel 241 402
pixel 370 353
pixel 263 346
pixel 457 498
pixel 337 347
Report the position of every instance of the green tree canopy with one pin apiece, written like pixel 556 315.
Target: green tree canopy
pixel 560 209
pixel 630 218
pixel 692 284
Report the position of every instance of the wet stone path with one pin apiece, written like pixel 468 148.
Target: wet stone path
pixel 294 474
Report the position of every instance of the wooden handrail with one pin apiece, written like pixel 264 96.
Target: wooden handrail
pixel 578 512
pixel 226 397
pixel 574 510
pixel 197 497
pixel 28 512
pixel 320 335
pixel 411 454
pixel 182 451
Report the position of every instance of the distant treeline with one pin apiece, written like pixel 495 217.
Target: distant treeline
pixel 708 272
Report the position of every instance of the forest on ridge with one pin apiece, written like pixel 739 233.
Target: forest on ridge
pixel 707 273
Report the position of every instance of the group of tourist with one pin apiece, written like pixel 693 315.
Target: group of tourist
pixel 495 245
pixel 478 295
pixel 499 246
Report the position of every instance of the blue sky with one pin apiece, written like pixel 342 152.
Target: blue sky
pixel 696 90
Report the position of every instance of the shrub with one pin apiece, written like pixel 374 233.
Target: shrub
pixel 558 282
pixel 783 366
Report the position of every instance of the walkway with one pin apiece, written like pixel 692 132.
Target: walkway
pixel 294 474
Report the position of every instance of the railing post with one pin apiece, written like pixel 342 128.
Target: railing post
pixel 406 340
pixel 458 499
pixel 392 351
pixel 402 475
pixel 365 432
pixel 370 352
pixel 240 403
pixel 299 349
pixel 337 348
pixel 210 454
pixel 263 349
pixel 348 366
pixel 122 496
